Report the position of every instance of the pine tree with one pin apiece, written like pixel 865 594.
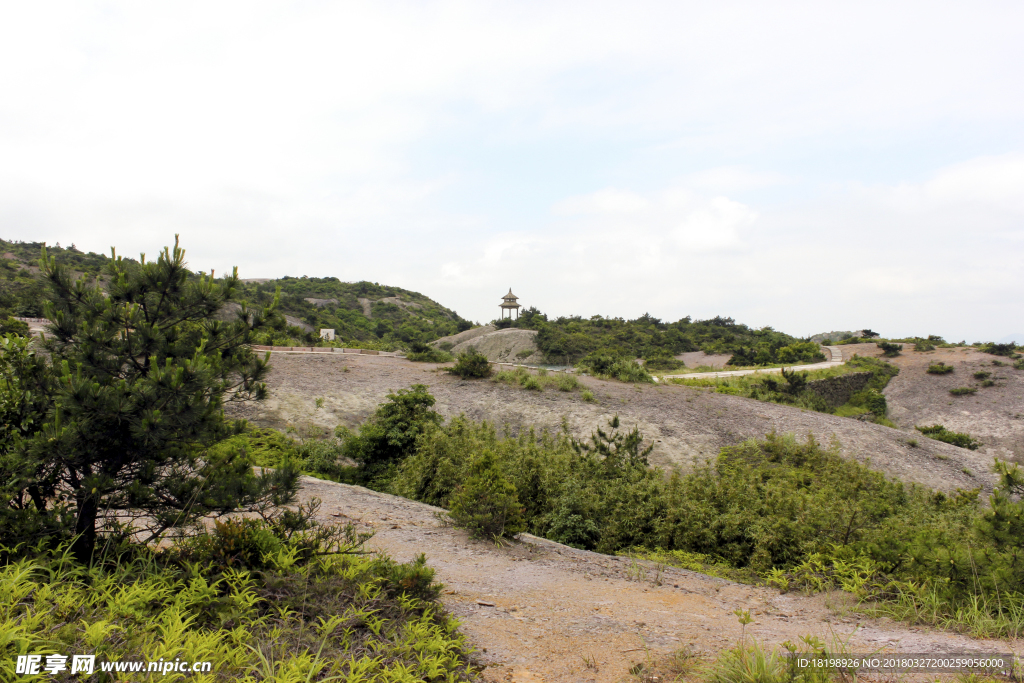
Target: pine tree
pixel 140 374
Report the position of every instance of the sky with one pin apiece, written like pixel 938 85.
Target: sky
pixel 809 166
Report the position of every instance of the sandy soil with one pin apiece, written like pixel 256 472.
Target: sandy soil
pixel 504 346
pixel 539 611
pixel 994 415
pixel 696 359
pixel 685 424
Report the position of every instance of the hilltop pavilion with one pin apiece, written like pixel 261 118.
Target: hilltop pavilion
pixel 509 304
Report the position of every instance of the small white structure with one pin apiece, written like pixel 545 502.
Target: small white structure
pixel 327 334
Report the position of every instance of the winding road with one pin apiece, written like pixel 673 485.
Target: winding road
pixel 836 353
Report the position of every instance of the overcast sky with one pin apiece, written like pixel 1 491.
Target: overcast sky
pixel 810 166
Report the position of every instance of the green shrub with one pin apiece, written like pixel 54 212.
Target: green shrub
pixel 963 391
pixel 1019 365
pixel 567 382
pixel 323 458
pixel 1007 350
pixel 870 399
pixel 11 326
pixel 259 599
pixel 487 505
pixel 266 447
pixel 533 384
pixel 423 353
pixel 599 362
pixel 471 364
pixel 588 396
pixel 939 369
pixel 890 350
pixel 609 365
pixel 389 436
pixel 525 353
pixel 761 507
pixel 630 371
pixel 922 345
pixel 940 433
pixel 981 374
pixel 662 361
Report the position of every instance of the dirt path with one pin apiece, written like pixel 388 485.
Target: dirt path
pixel 836 358
pixel 540 611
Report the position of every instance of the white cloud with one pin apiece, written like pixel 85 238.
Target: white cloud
pixel 402 142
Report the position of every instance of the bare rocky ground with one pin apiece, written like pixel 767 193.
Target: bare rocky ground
pixel 994 415
pixel 685 424
pixel 539 611
pixel 502 346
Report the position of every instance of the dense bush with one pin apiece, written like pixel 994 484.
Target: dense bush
pixel 387 438
pixel 422 353
pixel 487 504
pixel 963 391
pixel 765 353
pixel 890 350
pixel 661 360
pixel 11 326
pixel 770 506
pixel 610 365
pixel 568 339
pixel 939 368
pixel 940 433
pixel 471 364
pixel 999 349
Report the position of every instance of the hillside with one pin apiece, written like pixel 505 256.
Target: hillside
pixel 20 290
pixel 358 311
pixel 685 424
pixel 994 415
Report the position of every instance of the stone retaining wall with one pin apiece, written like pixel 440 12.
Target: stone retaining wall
pixel 837 390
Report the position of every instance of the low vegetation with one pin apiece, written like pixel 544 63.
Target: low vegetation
pixel 939 368
pixel 422 353
pixel 609 365
pixel 281 598
pixel 567 340
pixel 397 317
pixel 471 365
pixel 794 388
pixel 115 456
pixel 890 350
pixel 539 380
pixel 940 433
pixel 793 513
pixel 1009 350
pixel 963 391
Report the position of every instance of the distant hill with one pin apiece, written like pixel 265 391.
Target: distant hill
pixel 1015 338
pixel 21 293
pixel 357 311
